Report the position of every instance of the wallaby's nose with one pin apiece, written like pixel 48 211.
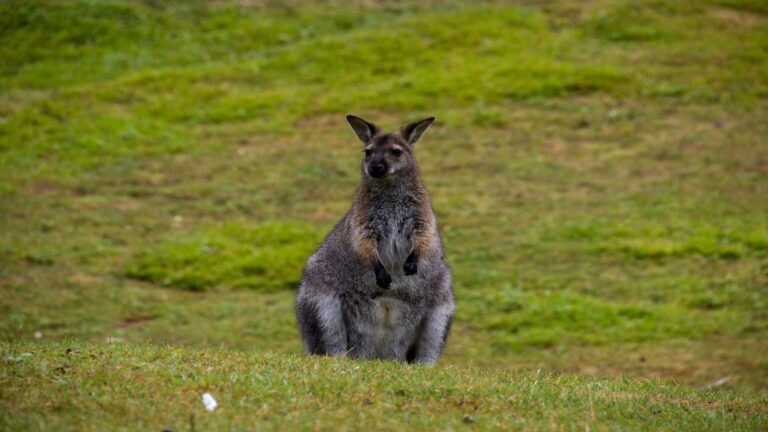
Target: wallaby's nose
pixel 377 169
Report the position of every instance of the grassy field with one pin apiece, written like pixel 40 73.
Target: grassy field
pixel 599 170
pixel 154 388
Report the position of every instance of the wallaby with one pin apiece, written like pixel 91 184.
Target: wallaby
pixel 378 287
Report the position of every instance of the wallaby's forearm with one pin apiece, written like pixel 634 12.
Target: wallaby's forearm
pixel 366 247
pixel 411 265
pixel 383 278
pixel 421 243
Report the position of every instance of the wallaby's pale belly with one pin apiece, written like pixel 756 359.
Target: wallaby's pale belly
pixel 387 333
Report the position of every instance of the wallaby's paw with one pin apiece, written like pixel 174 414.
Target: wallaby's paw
pixel 411 264
pixel 383 279
pixel 410 267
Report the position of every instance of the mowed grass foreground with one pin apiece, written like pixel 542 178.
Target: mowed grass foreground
pixel 599 170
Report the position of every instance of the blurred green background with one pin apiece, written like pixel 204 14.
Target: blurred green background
pixel 599 170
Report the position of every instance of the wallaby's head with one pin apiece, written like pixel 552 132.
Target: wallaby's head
pixel 388 154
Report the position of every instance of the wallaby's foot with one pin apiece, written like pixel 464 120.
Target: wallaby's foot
pixel 383 279
pixel 411 264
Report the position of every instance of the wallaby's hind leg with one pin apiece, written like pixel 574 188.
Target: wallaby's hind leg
pixel 434 332
pixel 321 324
pixel 309 327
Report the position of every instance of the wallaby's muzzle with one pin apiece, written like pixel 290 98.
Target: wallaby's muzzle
pixel 377 169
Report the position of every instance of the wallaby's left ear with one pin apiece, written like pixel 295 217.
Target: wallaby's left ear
pixel 364 130
pixel 412 132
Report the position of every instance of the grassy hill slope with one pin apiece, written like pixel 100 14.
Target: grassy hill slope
pixel 598 169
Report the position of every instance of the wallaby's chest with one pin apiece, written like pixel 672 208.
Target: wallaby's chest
pixel 393 224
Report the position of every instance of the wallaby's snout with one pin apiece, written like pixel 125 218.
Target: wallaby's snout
pixel 377 169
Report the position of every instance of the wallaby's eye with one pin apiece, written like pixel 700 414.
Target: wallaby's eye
pixel 368 152
pixel 396 152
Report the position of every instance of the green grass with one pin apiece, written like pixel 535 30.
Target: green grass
pixel 148 387
pixel 598 170
pixel 267 256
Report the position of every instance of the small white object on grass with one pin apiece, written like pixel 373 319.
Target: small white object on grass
pixel 209 402
pixel 716 384
pixel 38 334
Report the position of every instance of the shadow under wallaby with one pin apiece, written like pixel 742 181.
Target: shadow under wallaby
pixel 378 287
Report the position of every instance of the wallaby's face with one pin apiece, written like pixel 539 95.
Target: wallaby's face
pixel 387 154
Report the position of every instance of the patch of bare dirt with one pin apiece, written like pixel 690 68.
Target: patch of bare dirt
pixel 738 18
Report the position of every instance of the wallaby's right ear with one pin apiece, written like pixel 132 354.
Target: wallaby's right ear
pixel 364 130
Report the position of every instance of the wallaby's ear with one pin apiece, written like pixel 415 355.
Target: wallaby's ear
pixel 412 132
pixel 364 130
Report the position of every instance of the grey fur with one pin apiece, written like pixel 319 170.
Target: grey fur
pixel 340 307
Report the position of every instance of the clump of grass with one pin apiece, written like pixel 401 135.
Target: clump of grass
pixel 262 257
pixel 661 248
pixel 489 117
pixel 549 319
pixel 754 6
pixel 657 241
pixel 626 23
